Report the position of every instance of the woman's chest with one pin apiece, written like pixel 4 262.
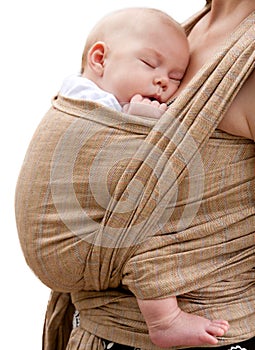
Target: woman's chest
pixel 236 118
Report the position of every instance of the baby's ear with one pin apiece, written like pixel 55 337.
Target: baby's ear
pixel 96 57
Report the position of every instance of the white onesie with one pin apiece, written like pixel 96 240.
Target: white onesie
pixel 80 88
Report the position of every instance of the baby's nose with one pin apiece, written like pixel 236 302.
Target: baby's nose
pixel 162 81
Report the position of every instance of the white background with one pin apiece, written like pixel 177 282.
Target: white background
pixel 41 43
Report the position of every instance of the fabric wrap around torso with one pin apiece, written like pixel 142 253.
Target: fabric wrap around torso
pixel 109 204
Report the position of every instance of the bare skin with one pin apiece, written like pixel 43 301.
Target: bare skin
pixel 144 107
pixel 169 326
pixel 205 39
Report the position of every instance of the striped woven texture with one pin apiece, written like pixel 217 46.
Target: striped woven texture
pixel 108 204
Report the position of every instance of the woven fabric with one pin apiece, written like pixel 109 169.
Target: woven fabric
pixel 108 204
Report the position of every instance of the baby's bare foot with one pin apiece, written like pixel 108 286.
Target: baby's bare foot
pixel 188 330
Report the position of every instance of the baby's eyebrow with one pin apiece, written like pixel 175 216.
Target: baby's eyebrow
pixel 153 52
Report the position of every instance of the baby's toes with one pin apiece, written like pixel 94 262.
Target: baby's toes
pixel 222 324
pixel 218 328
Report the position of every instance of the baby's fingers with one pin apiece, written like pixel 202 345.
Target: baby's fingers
pixel 163 107
pixel 137 98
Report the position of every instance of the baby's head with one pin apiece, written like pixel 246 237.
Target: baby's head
pixel 136 51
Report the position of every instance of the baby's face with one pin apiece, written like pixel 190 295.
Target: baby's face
pixel 152 65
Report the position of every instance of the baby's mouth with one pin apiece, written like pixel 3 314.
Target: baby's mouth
pixel 155 98
pixel 157 95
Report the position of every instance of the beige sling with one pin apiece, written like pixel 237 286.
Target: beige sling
pixel 106 200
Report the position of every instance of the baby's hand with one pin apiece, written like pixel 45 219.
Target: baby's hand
pixel 144 107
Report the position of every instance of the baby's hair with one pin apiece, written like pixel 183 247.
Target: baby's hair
pixel 114 22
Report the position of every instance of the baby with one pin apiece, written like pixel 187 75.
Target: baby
pixel 134 61
pixel 127 65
